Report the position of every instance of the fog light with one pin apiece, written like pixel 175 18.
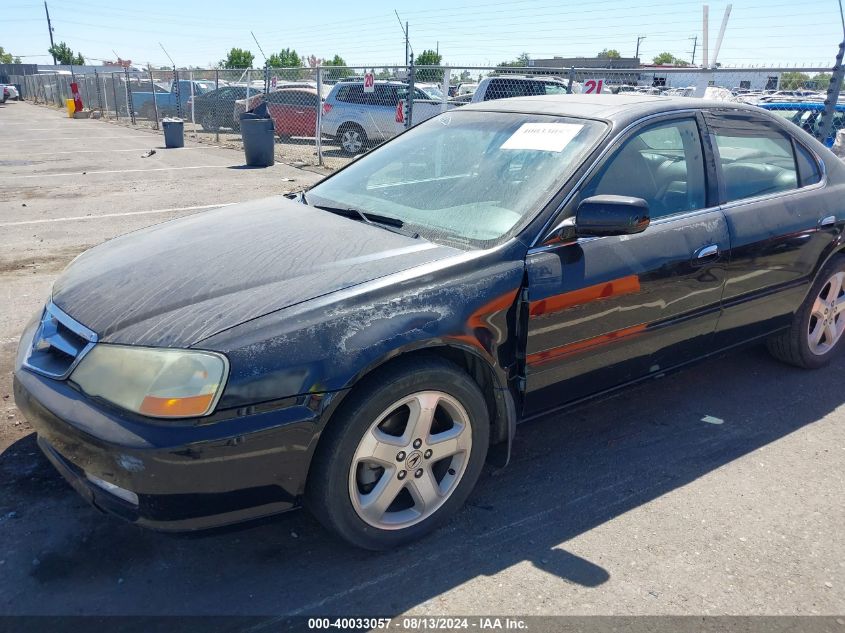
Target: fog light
pixel 117 491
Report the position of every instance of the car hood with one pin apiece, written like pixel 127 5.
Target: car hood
pixel 179 282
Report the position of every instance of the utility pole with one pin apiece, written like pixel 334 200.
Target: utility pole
pixel 50 29
pixel 694 46
pixel 407 43
pixel 639 39
pixel 826 133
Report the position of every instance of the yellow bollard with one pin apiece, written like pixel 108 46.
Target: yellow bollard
pixel 71 108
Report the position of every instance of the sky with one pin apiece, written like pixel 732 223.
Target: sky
pixel 200 32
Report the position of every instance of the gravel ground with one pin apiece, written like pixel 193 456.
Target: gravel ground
pixel 632 505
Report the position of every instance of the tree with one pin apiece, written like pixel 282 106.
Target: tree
pixel 519 62
pixel 429 58
pixel 238 58
pixel 285 58
pixel 822 81
pixel 609 54
pixel 64 55
pixel 7 58
pixel 793 80
pixel 336 73
pixel 664 58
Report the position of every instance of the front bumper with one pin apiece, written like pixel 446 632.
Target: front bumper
pixel 186 477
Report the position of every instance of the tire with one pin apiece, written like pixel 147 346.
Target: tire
pixel 207 122
pixel 815 335
pixel 345 489
pixel 352 138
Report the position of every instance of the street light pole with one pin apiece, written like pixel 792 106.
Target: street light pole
pixel 639 39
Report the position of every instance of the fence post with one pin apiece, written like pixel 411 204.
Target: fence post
pixel 176 90
pixel 153 86
pixel 826 131
pixel 318 136
pixel 217 97
pixel 193 119
pixel 266 79
pixel 114 98
pixel 99 93
pixel 129 104
pixel 411 74
pixel 444 87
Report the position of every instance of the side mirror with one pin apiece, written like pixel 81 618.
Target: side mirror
pixel 611 215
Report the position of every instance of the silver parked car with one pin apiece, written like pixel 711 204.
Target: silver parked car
pixel 356 118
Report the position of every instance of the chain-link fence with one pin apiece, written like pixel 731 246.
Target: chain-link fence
pixel 328 114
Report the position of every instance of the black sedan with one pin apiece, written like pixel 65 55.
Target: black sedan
pixel 364 347
pixel 215 109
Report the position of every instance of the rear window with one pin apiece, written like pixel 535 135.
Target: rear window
pixel 506 88
pixel 755 157
pixel 808 167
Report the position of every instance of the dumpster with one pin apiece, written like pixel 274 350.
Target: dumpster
pixel 258 135
pixel 174 132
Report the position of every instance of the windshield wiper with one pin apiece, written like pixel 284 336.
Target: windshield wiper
pixel 385 222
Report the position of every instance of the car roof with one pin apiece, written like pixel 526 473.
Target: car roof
pixel 797 105
pixel 606 107
pixel 525 77
pixel 360 82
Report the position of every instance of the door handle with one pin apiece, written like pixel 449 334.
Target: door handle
pixel 828 221
pixel 707 252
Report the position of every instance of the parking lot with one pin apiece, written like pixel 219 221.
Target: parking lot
pixel 717 490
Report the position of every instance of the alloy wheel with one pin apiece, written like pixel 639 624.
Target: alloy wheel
pixel 826 321
pixel 410 460
pixel 351 141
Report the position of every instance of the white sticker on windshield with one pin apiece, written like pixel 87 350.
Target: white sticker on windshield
pixel 543 137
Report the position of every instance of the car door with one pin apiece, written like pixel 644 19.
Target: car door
pixel 306 113
pixel 605 311
pixel 780 219
pixel 383 102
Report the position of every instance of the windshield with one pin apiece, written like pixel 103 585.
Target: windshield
pixel 465 178
pixel 433 92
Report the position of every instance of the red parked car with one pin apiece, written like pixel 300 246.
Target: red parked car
pixel 294 111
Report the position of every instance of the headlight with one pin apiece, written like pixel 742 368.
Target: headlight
pixel 161 383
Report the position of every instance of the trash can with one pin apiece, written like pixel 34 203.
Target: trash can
pixel 71 108
pixel 174 132
pixel 259 140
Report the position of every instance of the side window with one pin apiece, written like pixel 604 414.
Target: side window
pixel 808 168
pixel 386 95
pixel 755 158
pixel 351 94
pixel 497 89
pixel 662 164
pixel 555 89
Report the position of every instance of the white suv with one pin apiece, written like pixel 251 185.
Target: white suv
pixel 357 118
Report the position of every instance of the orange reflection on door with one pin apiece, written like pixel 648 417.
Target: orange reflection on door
pixel 558 303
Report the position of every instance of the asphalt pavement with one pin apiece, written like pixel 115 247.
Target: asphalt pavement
pixel 716 490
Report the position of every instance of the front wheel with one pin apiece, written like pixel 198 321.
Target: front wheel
pixel 815 336
pixel 402 456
